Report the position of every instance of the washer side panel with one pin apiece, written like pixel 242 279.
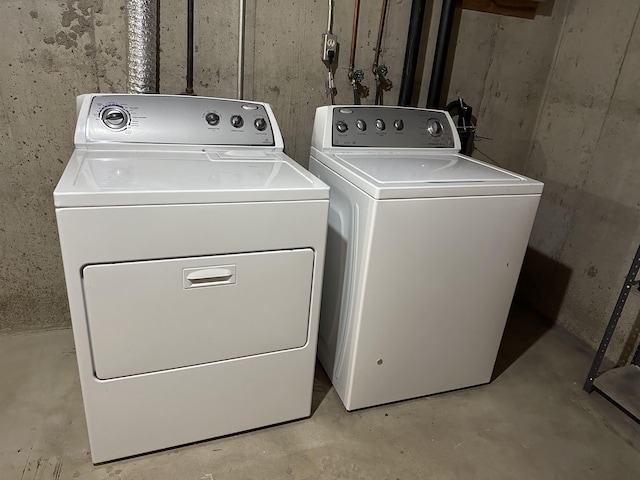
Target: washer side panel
pixel 442 273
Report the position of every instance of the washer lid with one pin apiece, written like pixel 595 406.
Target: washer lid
pixel 414 175
pixel 101 178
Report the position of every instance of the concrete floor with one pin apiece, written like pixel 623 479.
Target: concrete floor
pixel 532 422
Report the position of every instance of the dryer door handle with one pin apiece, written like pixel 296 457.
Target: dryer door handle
pixel 209 276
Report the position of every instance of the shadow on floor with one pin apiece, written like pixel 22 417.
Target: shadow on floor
pixel 321 387
pixel 524 328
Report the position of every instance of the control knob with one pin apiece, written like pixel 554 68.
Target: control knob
pixel 361 124
pixel 260 123
pixel 341 126
pixel 434 127
pixel 380 124
pixel 398 124
pixel 114 117
pixel 212 118
pixel 237 121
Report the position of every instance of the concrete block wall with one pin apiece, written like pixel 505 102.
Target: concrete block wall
pixel 554 97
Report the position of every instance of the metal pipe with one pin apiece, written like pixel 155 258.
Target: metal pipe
pixel 442 49
pixel 374 67
pixel 383 13
pixel 241 33
pixel 190 10
pixel 330 17
pixel 142 28
pixel 354 37
pixel 352 56
pixel 411 52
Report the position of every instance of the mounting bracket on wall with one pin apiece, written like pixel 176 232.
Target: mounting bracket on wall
pixel 621 385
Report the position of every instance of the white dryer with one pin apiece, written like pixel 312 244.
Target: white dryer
pixel 423 253
pixel 193 250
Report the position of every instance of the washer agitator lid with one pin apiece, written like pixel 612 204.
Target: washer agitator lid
pixel 415 175
pixel 109 178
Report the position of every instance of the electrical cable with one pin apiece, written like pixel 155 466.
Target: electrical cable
pixel 329 50
pixel 331 55
pixel 241 34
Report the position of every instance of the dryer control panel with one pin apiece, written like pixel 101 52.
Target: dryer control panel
pixel 391 127
pixel 175 119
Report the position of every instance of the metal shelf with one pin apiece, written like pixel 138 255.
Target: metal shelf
pixel 621 385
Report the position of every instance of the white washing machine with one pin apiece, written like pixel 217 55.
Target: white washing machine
pixel 193 251
pixel 423 253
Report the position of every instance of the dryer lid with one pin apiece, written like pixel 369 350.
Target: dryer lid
pixel 111 178
pixel 414 175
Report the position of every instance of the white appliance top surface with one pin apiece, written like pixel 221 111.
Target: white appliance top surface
pixel 412 174
pixel 128 177
pixel 423 168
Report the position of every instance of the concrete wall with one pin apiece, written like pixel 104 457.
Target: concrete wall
pixel 55 50
pixel 555 98
pixel 586 149
pixel 558 100
pixel 50 52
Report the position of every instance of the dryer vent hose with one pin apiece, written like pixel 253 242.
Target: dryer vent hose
pixel 142 28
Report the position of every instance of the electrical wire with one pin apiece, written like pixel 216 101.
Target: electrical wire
pixel 330 56
pixel 241 34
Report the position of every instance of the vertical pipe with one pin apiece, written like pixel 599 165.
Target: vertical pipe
pixel 442 48
pixel 383 13
pixel 241 29
pixel 354 38
pixel 141 45
pixel 190 9
pixel 411 53
pixel 352 56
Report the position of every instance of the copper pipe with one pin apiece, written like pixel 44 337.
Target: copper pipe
pixel 374 67
pixel 380 29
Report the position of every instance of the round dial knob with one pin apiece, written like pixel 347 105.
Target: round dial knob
pixel 380 124
pixel 114 117
pixel 260 123
pixel 212 118
pixel 398 124
pixel 434 127
pixel 341 126
pixel 237 121
pixel 361 124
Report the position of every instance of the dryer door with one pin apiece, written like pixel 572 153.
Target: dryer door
pixel 157 315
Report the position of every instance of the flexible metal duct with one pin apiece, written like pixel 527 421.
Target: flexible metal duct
pixel 142 29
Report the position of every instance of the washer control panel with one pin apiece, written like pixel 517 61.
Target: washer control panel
pixel 388 127
pixel 168 119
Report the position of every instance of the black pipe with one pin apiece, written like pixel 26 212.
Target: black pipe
pixel 442 49
pixel 411 52
pixel 190 9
